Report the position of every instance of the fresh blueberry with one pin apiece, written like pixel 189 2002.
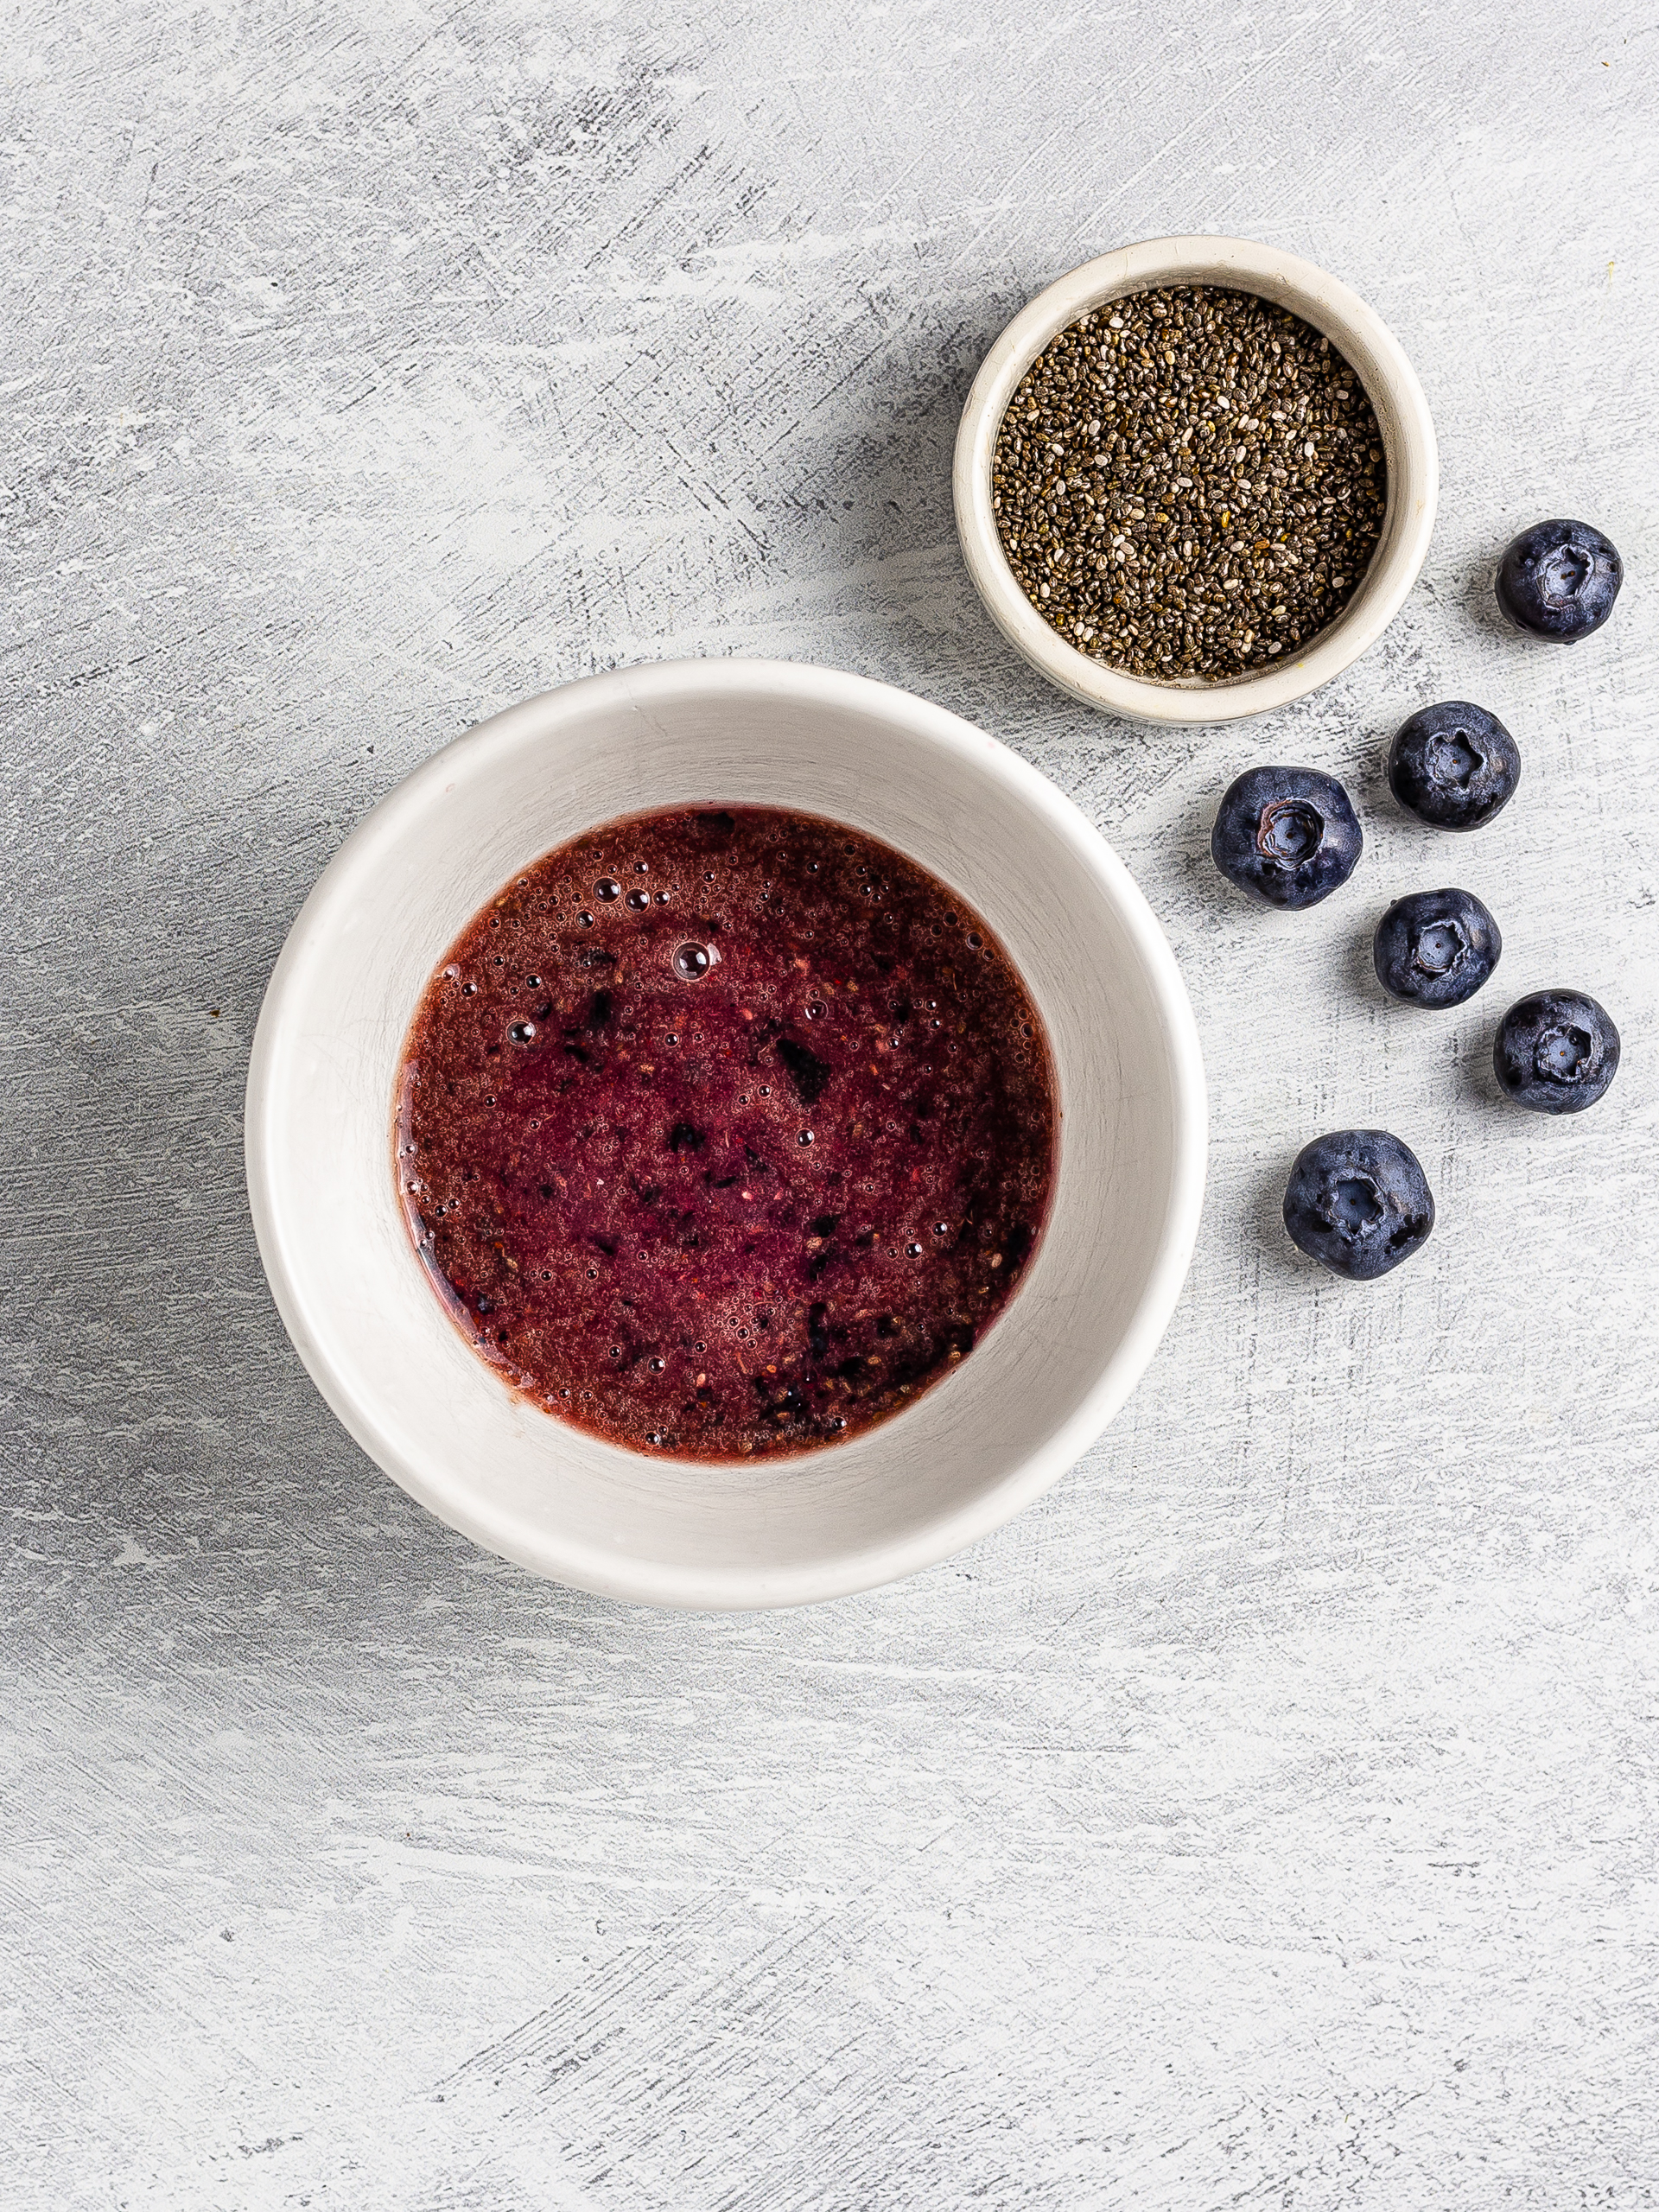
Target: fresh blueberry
pixel 1558 580
pixel 1556 1051
pixel 1288 836
pixel 1453 766
pixel 1436 948
pixel 1358 1201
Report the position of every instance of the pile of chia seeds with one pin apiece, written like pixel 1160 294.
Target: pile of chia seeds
pixel 1189 482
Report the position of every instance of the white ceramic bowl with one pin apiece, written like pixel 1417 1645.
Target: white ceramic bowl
pixel 1407 443
pixel 1050 1374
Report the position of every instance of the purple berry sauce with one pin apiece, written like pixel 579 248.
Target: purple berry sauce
pixel 725 1132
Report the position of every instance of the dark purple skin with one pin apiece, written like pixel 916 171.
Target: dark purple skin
pixel 1288 836
pixel 1436 948
pixel 1558 580
pixel 1454 765
pixel 1556 1051
pixel 726 1132
pixel 1358 1201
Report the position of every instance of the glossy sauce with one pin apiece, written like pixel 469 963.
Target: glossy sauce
pixel 725 1132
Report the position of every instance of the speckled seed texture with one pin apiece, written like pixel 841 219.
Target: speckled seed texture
pixel 1189 482
pixel 1270 1818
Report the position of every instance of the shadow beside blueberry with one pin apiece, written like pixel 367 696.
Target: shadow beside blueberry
pixel 1478 1078
pixel 1267 1217
pixel 1476 594
pixel 1359 963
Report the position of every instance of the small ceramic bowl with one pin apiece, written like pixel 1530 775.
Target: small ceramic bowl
pixel 1407 443
pixel 1050 1374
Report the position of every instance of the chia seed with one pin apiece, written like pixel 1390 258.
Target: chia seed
pixel 1189 482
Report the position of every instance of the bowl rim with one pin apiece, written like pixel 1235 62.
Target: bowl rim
pixel 1390 381
pixel 349 878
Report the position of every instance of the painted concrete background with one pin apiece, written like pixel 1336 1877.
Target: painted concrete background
pixel 1270 1817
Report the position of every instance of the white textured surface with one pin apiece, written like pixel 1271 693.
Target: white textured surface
pixel 1268 1818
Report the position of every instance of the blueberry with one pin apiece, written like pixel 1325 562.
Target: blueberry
pixel 1358 1201
pixel 1288 836
pixel 1556 1051
pixel 1453 766
pixel 1436 948
pixel 1558 580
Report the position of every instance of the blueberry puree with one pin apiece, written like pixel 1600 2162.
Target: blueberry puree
pixel 725 1132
